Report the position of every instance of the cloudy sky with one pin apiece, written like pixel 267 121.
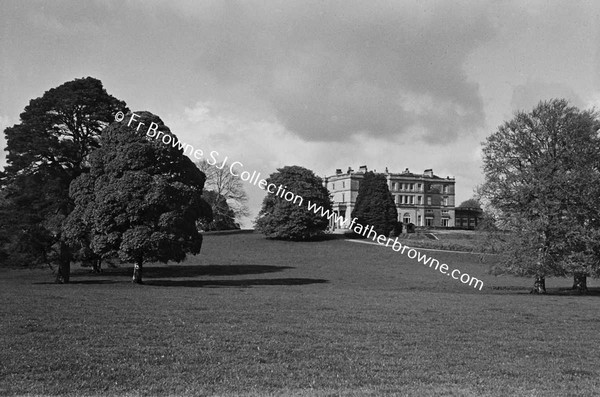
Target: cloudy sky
pixel 321 84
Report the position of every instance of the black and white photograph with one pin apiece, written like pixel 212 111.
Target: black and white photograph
pixel 299 198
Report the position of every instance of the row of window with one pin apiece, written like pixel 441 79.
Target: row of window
pixel 397 186
pixel 428 221
pixel 402 199
pixel 407 186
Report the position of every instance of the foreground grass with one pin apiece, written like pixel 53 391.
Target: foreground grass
pixel 257 317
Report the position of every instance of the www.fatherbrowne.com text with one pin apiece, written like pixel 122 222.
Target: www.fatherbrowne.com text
pixel 280 191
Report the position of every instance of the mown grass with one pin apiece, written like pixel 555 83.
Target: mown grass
pixel 453 240
pixel 251 316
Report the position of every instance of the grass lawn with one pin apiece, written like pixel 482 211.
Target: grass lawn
pixel 251 316
pixel 455 240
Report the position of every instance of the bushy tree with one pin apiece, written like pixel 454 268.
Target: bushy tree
pixel 140 199
pixel 223 217
pixel 375 204
pixel 541 174
pixel 46 151
pixel 292 220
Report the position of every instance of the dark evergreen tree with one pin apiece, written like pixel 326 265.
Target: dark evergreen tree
pixel 46 151
pixel 292 220
pixel 375 204
pixel 140 199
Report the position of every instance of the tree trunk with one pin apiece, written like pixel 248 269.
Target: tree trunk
pixel 64 265
pixel 97 265
pixel 580 282
pixel 539 286
pixel 137 272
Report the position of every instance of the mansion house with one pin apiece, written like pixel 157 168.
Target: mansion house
pixel 421 199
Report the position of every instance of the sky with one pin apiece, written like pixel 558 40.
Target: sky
pixel 320 84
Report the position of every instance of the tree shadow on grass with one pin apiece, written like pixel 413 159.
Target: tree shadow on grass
pixel 519 290
pixel 235 283
pixel 174 271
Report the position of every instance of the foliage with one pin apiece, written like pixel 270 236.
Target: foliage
pixel 375 204
pixel 281 219
pixel 542 182
pixel 221 181
pixel 46 151
pixel 470 203
pixel 223 216
pixel 140 200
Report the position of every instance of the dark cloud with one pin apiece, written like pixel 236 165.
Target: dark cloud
pixel 329 69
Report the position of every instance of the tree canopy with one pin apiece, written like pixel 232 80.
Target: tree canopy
pixel 140 199
pixel 541 174
pixel 375 204
pixel 470 203
pixel 47 150
pixel 223 216
pixel 292 220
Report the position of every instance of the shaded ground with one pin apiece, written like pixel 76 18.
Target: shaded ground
pixel 257 317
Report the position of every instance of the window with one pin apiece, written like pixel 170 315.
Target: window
pixel 412 186
pixel 419 220
pixel 412 199
pixel 397 199
pixel 343 185
pixel 333 186
pixel 343 198
pixel 445 201
pixel 428 200
pixel 428 222
pixel 419 199
pixel 406 219
pixel 419 187
pixel 445 222
pixel 445 212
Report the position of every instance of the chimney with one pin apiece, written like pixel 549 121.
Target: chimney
pixel 338 171
pixel 362 169
pixel 428 172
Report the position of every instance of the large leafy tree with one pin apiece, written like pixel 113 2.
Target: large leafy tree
pixel 375 204
pixel 46 151
pixel 280 218
pixel 541 177
pixel 140 199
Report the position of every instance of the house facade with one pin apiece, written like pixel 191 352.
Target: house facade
pixel 421 199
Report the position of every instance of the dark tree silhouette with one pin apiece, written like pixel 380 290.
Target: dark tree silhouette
pixel 46 151
pixel 223 216
pixel 375 204
pixel 140 199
